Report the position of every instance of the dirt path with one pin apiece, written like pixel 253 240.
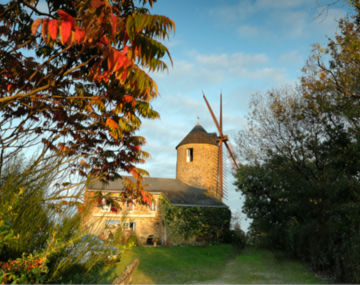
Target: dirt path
pixel 229 274
pixel 262 267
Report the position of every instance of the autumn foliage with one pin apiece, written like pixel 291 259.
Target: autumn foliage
pixel 74 78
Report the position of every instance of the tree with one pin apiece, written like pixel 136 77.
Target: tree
pixel 301 180
pixel 74 79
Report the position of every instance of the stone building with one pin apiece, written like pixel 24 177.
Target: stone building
pixel 195 185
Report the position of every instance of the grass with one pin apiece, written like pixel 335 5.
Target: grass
pixel 255 266
pixel 213 264
pixel 159 265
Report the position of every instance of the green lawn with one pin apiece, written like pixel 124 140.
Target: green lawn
pixel 212 264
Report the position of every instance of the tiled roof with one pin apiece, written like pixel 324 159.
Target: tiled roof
pixel 199 135
pixel 177 192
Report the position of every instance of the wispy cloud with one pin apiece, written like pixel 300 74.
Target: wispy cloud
pixel 248 31
pixel 283 18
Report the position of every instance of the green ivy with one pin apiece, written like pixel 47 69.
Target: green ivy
pixel 205 223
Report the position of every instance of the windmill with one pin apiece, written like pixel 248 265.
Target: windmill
pixel 222 139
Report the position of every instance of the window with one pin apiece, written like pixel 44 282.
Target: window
pixel 153 206
pixel 112 223
pixel 105 205
pixel 129 226
pixel 130 205
pixel 189 154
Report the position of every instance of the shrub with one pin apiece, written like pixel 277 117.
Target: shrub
pixel 238 238
pixel 202 223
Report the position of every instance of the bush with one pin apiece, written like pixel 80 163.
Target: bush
pixel 200 223
pixel 38 242
pixel 238 238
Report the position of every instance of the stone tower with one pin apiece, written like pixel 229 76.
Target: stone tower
pixel 197 160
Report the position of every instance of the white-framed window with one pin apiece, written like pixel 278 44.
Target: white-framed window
pixel 153 205
pixel 129 226
pixel 189 154
pixel 130 205
pixel 112 223
pixel 105 205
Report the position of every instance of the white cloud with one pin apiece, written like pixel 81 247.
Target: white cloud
pixel 230 13
pixel 248 31
pixel 293 23
pixel 292 57
pixel 280 4
pixel 280 18
pixel 231 60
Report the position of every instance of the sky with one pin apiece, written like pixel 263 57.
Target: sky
pixel 238 48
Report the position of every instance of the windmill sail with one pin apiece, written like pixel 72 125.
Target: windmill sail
pixel 222 139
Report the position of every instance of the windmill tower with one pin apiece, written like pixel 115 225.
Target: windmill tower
pixel 197 160
pixel 222 139
pixel 200 157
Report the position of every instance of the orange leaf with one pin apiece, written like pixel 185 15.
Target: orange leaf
pixel 112 124
pixel 115 136
pixel 97 3
pixel 53 29
pixel 134 173
pixel 66 17
pixel 117 59
pixel 79 35
pixel 44 29
pixel 9 87
pixel 65 32
pixel 35 25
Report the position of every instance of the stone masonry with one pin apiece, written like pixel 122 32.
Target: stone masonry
pixel 202 171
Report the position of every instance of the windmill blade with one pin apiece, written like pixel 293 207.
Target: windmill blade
pixel 231 154
pixel 213 115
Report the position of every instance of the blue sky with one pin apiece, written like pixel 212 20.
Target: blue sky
pixel 235 47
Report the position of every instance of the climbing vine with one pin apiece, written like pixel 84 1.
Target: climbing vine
pixel 208 224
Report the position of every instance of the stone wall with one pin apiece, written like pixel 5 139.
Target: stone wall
pixel 202 171
pixel 101 223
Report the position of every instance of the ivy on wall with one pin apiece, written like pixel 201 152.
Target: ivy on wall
pixel 204 223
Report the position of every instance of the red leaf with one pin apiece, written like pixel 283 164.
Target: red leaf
pixel 65 32
pixel 79 35
pixel 145 197
pixel 53 24
pixel 104 40
pixel 66 17
pixel 128 98
pixel 97 3
pixel 35 25
pixel 123 76
pixel 9 87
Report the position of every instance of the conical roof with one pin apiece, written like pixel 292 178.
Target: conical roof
pixel 199 135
